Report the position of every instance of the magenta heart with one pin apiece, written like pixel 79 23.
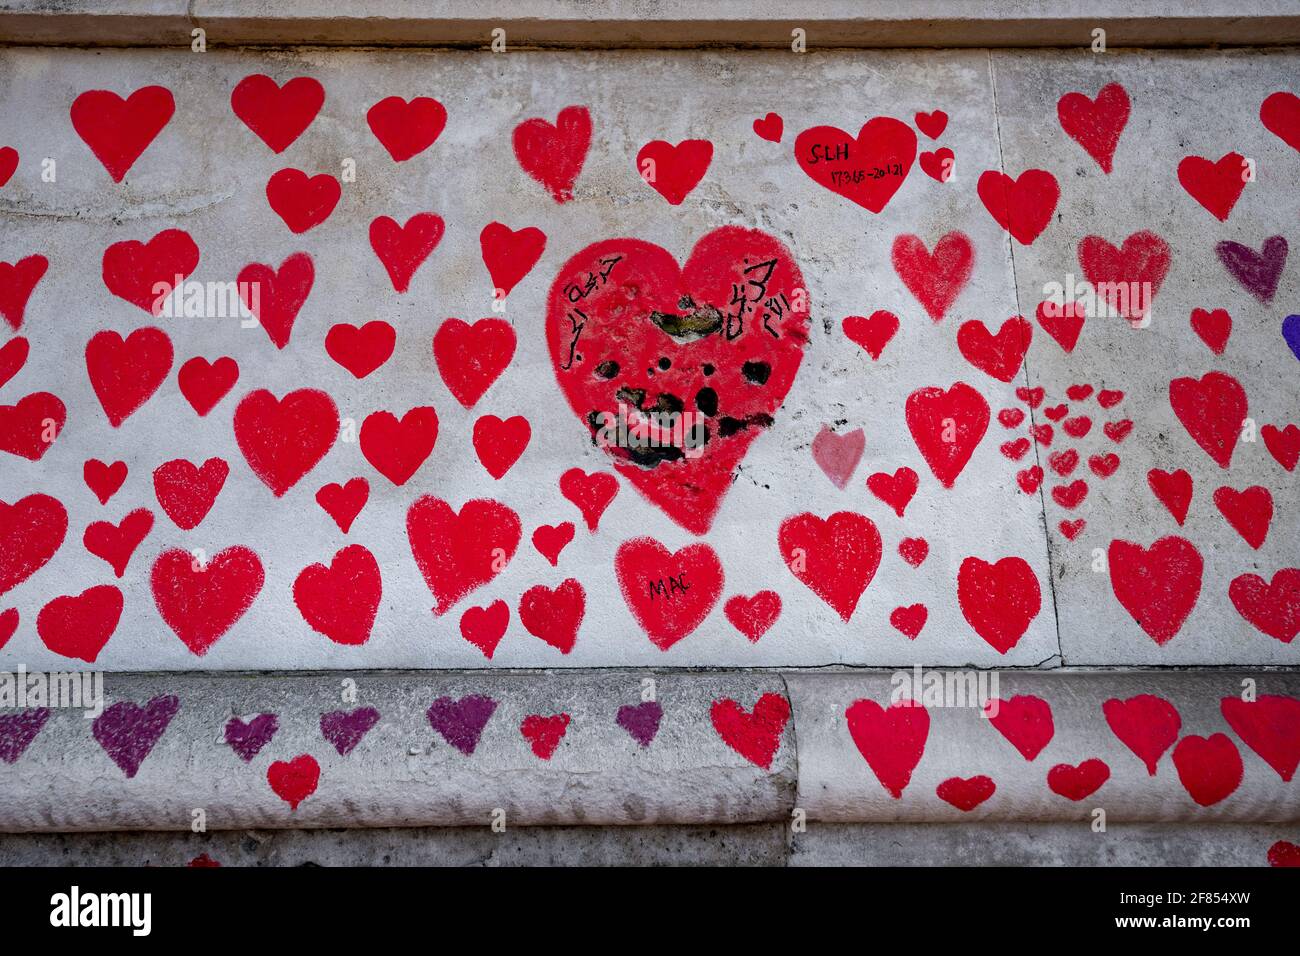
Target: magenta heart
pixel 838 455
pixel 641 720
pixel 1258 272
pixel 345 728
pixel 461 722
pixel 128 732
pixel 246 739
pixel 17 731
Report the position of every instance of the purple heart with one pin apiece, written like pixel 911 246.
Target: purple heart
pixel 1291 332
pixel 641 720
pixel 1259 272
pixel 128 732
pixel 246 739
pixel 345 728
pixel 17 731
pixel 461 721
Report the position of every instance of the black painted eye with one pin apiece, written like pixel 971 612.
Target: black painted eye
pixel 756 372
pixel 607 369
pixel 664 364
pixel 708 369
pixel 706 400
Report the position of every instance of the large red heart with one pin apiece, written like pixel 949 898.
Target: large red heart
pixel 29 428
pixel 1078 782
pixel 295 780
pixel 115 543
pixel 17 281
pixel 753 616
pixel 201 602
pixel 673 171
pixel 283 439
pixel 402 249
pixel 80 625
pixel 1210 768
pixel 187 493
pixel 1127 278
pixel 1174 489
pixel 302 201
pixel 510 254
pixel 457 553
pixel 867 170
pixel 1158 585
pixel 947 426
pixel 998 355
pixel 1273 607
pixel 1212 409
pixel 341 600
pixel 275 296
pixel 1096 125
pixel 1148 725
pixel 117 130
pixel 1216 186
pixel 406 129
pixel 668 593
pixel 1280 114
pixel 1025 720
pixel 1249 512
pixel 31 531
pixel 755 736
pixel 277 114
pixel 1021 206
pixel 470 357
pixel 499 443
pixel 554 615
pixel 362 349
pixel 146 273
pixel 675 371
pixel 1270 726
pixel 935 278
pixel 553 154
pixel 204 384
pixel 397 448
pixel 891 740
pixel 125 373
pixel 998 600
pixel 835 557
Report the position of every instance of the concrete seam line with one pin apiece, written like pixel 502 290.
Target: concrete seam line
pixel 473 749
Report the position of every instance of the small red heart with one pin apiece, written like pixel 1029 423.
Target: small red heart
pixel 8 625
pixel 998 355
pixel 909 620
pixel 12 358
pixel 947 426
pixel 301 201
pixel 755 735
pixel 1173 489
pixel 554 154
pixel 1063 462
pixel 1118 431
pixel 1015 450
pixel 204 384
pixel 25 428
pixel 1145 724
pixel 79 626
pixel 294 781
pixel 1270 726
pixel 1024 720
pixel 554 615
pixel 753 616
pixel 1029 479
pixel 771 127
pixel 891 739
pixel 1158 585
pixel 1280 114
pixel 341 600
pixel 1283 444
pixel 1213 328
pixel 1109 397
pixel 673 171
pixel 1063 322
pixel 1011 417
pixel 201 602
pixel 115 543
pixel 17 282
pixel 362 349
pixel 344 502
pixel 1096 125
pixel 1249 512
pixel 104 480
pixel 485 626
pixel 1103 466
pixel 544 733
pixel 550 540
pixel 283 439
pixel 938 165
pixel 406 129
pixel 1077 427
pixel 669 593
pixel 931 124
pixel 835 557
pixel 1273 607
pixel 278 115
pixel 1033 397
pixel 275 296
pixel 1022 206
pixel 1072 529
pixel 914 551
pixel 1283 852
pixel 591 493
pixel 935 278
pixel 1042 433
pixel 1071 495
pixel 471 357
pixel 402 249
pixel 998 600
pixel 147 273
pixel 510 254
pixel 1078 782
pixel 8 163
pixel 459 552
pixel 1212 409
pixel 873 333
pixel 125 373
pixel 966 794
pixel 1210 768
pixel 1057 412
pixel 1215 185
pixel 895 490
pixel 1078 393
pixel 499 443
pixel 119 130
pixel 398 447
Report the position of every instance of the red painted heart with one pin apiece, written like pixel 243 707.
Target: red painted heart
pixel 459 552
pixel 119 130
pixel 1158 585
pixel 867 170
pixel 834 557
pixel 283 439
pixel 278 115
pixel 669 593
pixel 201 602
pixel 890 739
pixel 341 600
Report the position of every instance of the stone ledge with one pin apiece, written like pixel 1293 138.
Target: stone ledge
pixel 704 761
